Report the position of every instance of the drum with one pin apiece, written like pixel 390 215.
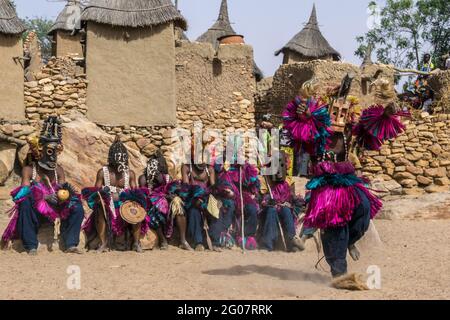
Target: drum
pixel 132 212
pixel 150 240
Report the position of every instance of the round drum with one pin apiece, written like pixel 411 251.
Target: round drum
pixel 132 212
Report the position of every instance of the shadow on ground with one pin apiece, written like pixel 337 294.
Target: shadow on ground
pixel 282 274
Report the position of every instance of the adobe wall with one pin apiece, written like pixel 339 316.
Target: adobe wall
pixel 220 98
pixel 215 87
pixel 132 75
pixel 67 44
pixel 12 75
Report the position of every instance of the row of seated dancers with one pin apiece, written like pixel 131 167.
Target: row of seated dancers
pixel 248 216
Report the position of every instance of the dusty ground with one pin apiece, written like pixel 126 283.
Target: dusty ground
pixel 413 256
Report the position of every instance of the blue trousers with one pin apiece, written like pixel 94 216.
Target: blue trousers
pixel 195 225
pixel 336 241
pixel 30 220
pixel 271 230
pixel 251 220
pixel 218 226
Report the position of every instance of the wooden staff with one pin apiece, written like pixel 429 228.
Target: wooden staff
pixel 107 220
pixel 242 210
pixel 57 223
pixel 423 73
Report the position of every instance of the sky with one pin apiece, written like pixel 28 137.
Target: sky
pixel 267 25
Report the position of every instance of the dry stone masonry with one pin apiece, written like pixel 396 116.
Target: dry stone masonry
pixel 418 161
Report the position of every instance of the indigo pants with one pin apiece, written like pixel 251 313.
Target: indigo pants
pixel 195 225
pixel 336 241
pixel 29 222
pixel 251 220
pixel 221 225
pixel 271 229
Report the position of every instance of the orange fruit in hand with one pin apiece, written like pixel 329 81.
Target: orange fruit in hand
pixel 63 195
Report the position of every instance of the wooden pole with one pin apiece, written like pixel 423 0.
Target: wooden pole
pixel 242 210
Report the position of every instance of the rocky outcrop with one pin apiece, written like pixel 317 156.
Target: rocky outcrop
pixel 86 151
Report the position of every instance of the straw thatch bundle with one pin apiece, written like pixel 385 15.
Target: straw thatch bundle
pixel 310 43
pixel 9 22
pixel 69 17
pixel 133 13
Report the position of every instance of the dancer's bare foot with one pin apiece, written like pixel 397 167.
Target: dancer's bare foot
pixel 74 250
pixel 217 249
pixel 354 252
pixel 199 248
pixel 298 243
pixel 164 246
pixel 102 249
pixel 185 246
pixel 137 247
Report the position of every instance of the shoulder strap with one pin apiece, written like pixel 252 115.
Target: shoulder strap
pixel 106 177
pixel 127 179
pixel 34 174
pixel 56 175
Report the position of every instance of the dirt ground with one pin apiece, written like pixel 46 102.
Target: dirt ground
pixel 413 256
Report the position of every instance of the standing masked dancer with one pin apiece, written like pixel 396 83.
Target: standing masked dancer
pixel 166 204
pixel 340 203
pixel 115 184
pixel 44 195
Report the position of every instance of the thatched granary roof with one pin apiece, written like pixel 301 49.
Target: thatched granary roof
pixel 133 13
pixel 69 17
pixel 9 22
pixel 221 28
pixel 310 42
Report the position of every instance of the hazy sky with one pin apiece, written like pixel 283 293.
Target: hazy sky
pixel 266 24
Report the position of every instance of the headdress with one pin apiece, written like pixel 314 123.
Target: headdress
pixel 118 155
pixel 51 132
pixel 339 107
pixel 156 164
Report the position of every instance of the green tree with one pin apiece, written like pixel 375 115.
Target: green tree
pixel 41 26
pixel 406 26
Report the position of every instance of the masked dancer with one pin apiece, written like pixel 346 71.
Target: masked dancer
pixel 44 195
pixel 340 203
pixel 115 184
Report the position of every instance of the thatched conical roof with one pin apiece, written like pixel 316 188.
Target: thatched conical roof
pixel 310 42
pixel 9 22
pixel 133 13
pixel 69 17
pixel 221 28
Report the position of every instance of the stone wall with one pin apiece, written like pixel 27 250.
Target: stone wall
pixel 417 161
pixel 216 88
pixel 58 88
pixel 289 78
